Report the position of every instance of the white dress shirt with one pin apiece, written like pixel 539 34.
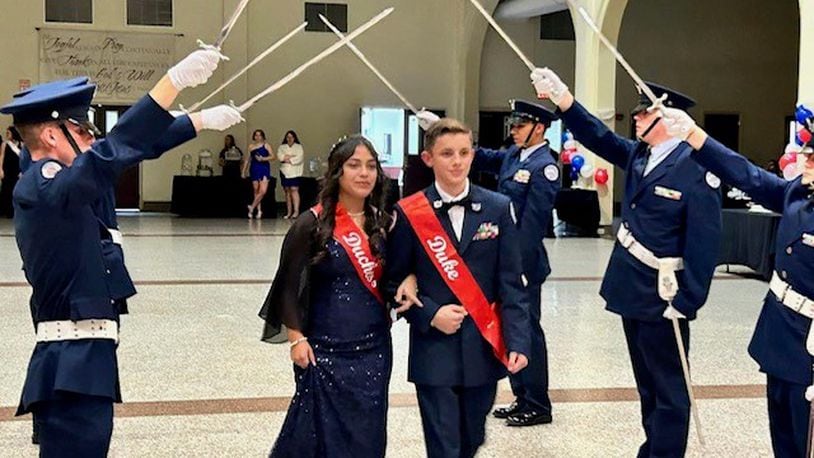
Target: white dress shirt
pixel 456 213
pixel 659 153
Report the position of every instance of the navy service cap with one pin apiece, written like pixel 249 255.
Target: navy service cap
pixel 61 100
pixel 675 99
pixel 524 112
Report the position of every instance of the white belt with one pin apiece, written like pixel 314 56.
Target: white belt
pixel 644 255
pixel 791 298
pixel 53 331
pixel 116 236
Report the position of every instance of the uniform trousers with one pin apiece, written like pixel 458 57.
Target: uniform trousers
pixel 530 386
pixel 454 418
pixel 789 413
pixel 665 404
pixel 75 425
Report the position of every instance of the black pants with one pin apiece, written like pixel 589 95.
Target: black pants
pixel 454 418
pixel 76 426
pixel 665 403
pixel 530 385
pixel 788 417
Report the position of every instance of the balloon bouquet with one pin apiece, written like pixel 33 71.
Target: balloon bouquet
pixel 802 139
pixel 579 167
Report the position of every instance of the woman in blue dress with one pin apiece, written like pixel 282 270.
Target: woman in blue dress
pixel 258 168
pixel 326 293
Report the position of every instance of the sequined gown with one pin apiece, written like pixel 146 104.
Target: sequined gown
pixel 340 405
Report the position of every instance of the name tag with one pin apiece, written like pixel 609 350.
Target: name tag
pixel 808 239
pixel 667 193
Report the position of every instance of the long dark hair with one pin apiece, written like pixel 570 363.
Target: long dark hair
pixel 15 134
pixel 296 139
pixel 376 219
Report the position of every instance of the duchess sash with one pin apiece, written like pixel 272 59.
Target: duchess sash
pixel 355 243
pixel 454 271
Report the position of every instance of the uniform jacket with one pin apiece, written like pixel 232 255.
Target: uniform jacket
pixel 674 211
pixel 464 358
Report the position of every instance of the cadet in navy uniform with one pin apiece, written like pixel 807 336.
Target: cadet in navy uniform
pixel 460 241
pixel 669 235
pixel 528 174
pixel 72 378
pixel 782 342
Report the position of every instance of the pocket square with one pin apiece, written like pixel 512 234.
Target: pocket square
pixel 487 231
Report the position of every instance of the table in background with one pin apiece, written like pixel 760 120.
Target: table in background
pixel 579 209
pixel 748 239
pixel 217 197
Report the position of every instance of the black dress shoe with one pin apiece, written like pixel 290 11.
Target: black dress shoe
pixel 504 412
pixel 528 418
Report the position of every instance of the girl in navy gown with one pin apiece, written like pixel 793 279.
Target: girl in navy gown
pixel 259 170
pixel 326 293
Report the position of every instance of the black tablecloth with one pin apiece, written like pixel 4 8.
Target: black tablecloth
pixel 579 209
pixel 748 239
pixel 217 197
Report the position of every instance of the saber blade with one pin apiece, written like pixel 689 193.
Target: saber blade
pixel 367 62
pixel 230 24
pixel 503 35
pixel 656 101
pixel 251 64
pixel 325 53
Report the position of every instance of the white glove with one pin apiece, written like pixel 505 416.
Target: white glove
pixel 196 68
pixel 220 117
pixel 548 85
pixel 426 119
pixel 810 393
pixel 671 313
pixel 678 123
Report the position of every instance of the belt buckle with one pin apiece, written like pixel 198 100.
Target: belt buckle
pixel 627 240
pixel 785 291
pixel 799 303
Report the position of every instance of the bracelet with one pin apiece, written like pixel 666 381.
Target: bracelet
pixel 298 341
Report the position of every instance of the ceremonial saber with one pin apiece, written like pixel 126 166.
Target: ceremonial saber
pixel 369 65
pixel 328 51
pixel 656 101
pixel 687 381
pixel 230 24
pixel 503 34
pixel 254 62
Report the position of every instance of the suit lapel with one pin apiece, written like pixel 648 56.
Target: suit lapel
pixel 658 173
pixel 443 216
pixel 472 219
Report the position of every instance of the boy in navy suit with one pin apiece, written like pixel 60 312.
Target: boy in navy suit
pixel 459 240
pixel 661 268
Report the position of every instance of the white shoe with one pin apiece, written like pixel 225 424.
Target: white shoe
pixel 251 210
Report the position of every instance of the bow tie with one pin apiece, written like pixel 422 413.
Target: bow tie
pixel 445 206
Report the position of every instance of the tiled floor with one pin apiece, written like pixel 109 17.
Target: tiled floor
pixel 192 337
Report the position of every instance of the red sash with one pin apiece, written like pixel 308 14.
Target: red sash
pixel 355 243
pixel 454 271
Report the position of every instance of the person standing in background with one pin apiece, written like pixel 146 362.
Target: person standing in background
pixel 230 158
pixel 291 157
pixel 10 170
pixel 258 167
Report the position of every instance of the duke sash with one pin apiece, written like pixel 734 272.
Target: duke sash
pixel 356 244
pixel 454 271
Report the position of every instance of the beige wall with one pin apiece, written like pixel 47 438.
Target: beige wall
pixel 420 48
pixel 739 56
pixel 731 58
pixel 503 74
